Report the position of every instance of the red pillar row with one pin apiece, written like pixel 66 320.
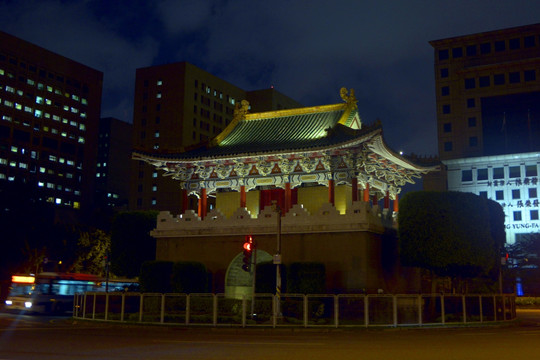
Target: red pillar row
pixel 396 204
pixel 387 200
pixel 288 200
pixel 202 204
pixel 185 201
pixel 331 192
pixel 242 196
pixel 366 193
pixel 354 189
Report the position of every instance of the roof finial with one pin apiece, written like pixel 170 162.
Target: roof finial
pixel 349 99
pixel 240 110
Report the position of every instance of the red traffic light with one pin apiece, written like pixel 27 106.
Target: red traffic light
pixel 248 246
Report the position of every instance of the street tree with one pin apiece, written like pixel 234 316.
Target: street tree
pixel 92 251
pixel 452 234
pixel 131 243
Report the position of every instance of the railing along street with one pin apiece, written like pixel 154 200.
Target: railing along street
pixel 295 310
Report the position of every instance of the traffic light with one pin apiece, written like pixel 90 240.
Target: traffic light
pixel 248 253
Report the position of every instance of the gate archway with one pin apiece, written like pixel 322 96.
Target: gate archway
pixel 239 282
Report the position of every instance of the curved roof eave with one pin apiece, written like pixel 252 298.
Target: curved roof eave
pixel 378 146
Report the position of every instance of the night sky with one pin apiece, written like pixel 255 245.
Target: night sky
pixel 305 49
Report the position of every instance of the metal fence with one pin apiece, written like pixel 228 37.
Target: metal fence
pixel 295 310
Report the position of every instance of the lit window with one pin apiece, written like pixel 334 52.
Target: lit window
pixel 30 82
pixel 154 187
pixel 158 95
pixel 58 201
pixel 154 201
pixel 52 158
pixel 41 183
pixel 3 161
pixel 10 89
pixel 50 185
pixel 18 106
pixel 75 97
pixel 156 134
pixel 42 170
pixel 38 113
pixel 39 100
pixel 154 174
pixel 66 108
pixel 159 82
pixel 80 140
pixel 84 102
pixel 28 109
pixel 23 165
pixel 2 176
pixel 14 149
pixel 82 127
pixel 8 103
pixel 49 89
pixel 13 163
pixel 56 118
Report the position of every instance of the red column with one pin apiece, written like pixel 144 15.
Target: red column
pixel 354 189
pixel 288 200
pixel 202 204
pixel 366 193
pixel 331 194
pixel 242 196
pixel 205 201
pixel 387 200
pixel 396 204
pixel 185 201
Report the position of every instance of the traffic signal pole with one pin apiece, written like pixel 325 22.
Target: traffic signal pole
pixel 254 264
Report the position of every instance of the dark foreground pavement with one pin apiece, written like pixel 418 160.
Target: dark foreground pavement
pixel 26 337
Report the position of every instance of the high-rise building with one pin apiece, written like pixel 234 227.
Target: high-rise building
pixel 113 163
pixel 49 115
pixel 488 116
pixel 177 106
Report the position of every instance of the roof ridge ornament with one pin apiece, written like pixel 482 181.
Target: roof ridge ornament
pixel 241 109
pixel 349 99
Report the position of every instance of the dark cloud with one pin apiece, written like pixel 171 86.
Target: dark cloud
pixel 306 49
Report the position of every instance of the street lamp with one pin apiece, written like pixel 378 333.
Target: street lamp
pixel 277 257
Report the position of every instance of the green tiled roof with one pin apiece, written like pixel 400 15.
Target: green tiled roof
pixel 294 130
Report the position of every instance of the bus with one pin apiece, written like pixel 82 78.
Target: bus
pixel 54 292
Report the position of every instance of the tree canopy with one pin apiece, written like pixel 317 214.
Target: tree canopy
pixel 451 233
pixel 131 243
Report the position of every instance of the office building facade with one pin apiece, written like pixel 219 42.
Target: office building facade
pixel 49 115
pixel 488 116
pixel 113 163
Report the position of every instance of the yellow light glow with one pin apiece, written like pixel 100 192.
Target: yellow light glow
pixel 22 279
